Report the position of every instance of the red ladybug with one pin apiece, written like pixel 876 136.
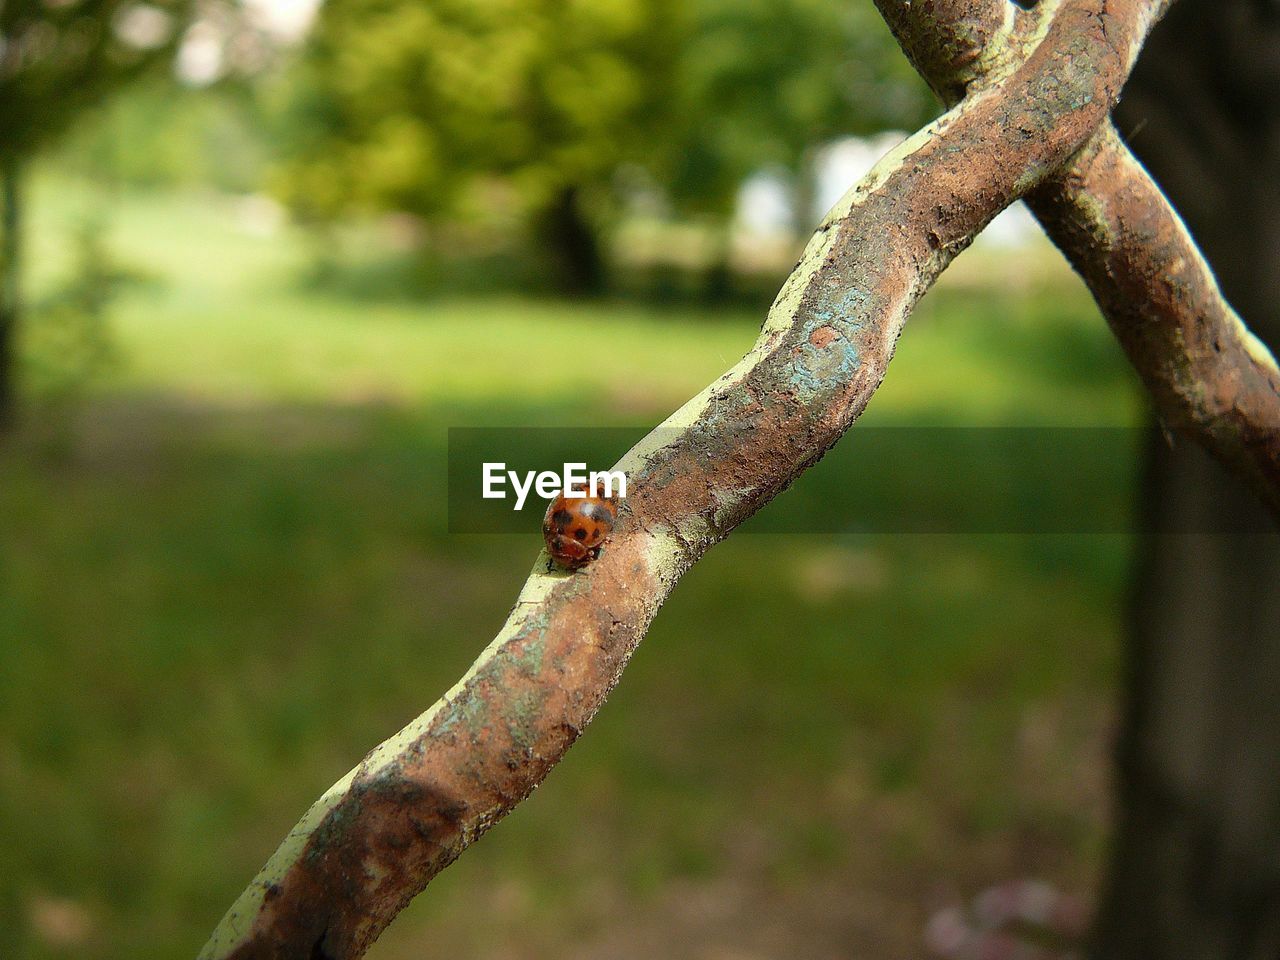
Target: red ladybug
pixel 575 528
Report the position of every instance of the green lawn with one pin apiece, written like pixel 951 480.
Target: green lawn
pixel 224 576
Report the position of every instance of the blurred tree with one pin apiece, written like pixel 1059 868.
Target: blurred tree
pixel 56 60
pixel 764 83
pixel 1195 869
pixel 435 109
pixel 68 343
pixel 426 108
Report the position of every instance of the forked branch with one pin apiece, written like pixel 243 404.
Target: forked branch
pixel 380 834
pixel 1210 378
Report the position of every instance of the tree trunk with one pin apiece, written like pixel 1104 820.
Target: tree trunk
pixel 569 242
pixel 10 285
pixel 1195 868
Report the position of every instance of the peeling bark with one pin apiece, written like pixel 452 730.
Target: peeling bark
pixel 379 835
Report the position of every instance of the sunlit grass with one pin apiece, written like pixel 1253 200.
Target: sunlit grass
pixel 224 317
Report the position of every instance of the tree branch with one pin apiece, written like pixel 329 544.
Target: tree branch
pixel 1209 377
pixel 370 844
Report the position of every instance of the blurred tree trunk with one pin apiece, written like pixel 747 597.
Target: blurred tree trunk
pixel 569 240
pixel 1195 870
pixel 10 284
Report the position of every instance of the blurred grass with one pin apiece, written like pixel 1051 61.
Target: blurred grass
pixel 227 577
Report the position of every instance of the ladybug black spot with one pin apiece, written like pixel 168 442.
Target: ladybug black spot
pixel 580 533
pixel 561 518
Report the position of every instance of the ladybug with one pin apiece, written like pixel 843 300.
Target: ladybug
pixel 575 528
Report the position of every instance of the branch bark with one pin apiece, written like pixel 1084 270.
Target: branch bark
pixel 374 840
pixel 1210 378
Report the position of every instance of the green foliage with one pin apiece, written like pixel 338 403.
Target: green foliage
pixel 160 134
pixel 422 107
pixel 69 344
pixel 762 83
pixel 57 59
pixel 456 107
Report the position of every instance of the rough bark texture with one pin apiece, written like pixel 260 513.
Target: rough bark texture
pixel 1195 871
pixel 1210 378
pixel 375 840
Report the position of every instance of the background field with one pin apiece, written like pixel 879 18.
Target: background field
pixel 225 577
